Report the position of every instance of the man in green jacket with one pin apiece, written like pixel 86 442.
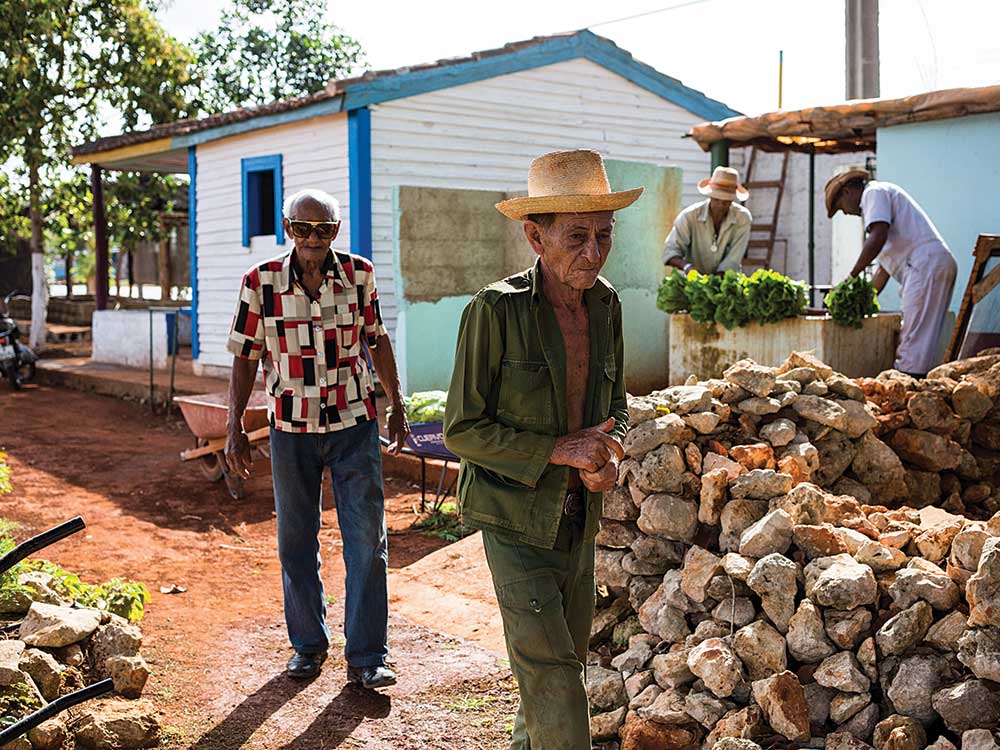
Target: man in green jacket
pixel 537 412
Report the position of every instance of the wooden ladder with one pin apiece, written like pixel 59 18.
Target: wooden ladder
pixel 753 260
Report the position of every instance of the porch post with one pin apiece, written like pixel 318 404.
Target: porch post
pixel 100 239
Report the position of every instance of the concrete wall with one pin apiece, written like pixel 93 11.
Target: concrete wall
pixel 451 243
pixel 952 169
pixel 314 154
pixel 483 136
pixel 121 337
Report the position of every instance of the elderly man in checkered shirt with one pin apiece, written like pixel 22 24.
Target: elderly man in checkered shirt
pixel 310 315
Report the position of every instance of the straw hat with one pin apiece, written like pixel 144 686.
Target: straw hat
pixel 836 183
pixel 567 182
pixel 724 184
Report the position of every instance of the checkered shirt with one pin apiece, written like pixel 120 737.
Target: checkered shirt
pixel 316 372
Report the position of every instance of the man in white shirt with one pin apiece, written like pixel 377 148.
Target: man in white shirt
pixel 711 236
pixel 910 249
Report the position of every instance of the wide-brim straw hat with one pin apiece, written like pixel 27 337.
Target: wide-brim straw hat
pixel 836 183
pixel 724 184
pixel 567 182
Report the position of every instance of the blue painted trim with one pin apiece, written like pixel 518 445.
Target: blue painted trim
pixel 583 44
pixel 326 107
pixel 269 163
pixel 359 155
pixel 193 245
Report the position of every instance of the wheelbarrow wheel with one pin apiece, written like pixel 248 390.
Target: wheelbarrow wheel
pixel 211 465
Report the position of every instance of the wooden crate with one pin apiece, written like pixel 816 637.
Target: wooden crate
pixel 707 350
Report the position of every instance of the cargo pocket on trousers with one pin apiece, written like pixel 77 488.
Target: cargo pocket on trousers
pixel 534 622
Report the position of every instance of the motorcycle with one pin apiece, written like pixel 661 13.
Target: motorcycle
pixel 17 361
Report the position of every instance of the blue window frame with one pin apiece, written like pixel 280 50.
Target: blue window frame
pixel 262 198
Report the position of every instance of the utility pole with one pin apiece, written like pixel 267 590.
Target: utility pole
pixel 861 35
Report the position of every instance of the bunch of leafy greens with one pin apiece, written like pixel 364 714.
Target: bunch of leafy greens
pixel 426 406
pixel 851 301
pixel 772 297
pixel 731 309
pixel 671 297
pixel 703 294
pixel 732 299
pixel 119 596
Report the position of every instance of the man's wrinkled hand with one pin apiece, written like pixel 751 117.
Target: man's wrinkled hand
pixel 589 449
pixel 603 479
pixel 239 458
pixel 399 430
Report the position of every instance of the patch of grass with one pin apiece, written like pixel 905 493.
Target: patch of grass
pixel 470 703
pixel 331 599
pixel 444 523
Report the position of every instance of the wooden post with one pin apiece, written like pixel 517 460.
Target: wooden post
pixel 164 266
pixel 100 239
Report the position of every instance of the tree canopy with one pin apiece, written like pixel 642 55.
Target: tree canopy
pixel 265 50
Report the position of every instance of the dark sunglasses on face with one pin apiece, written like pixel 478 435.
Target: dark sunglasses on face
pixel 324 229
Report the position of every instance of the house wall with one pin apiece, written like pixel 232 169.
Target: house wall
pixel 314 154
pixel 483 136
pixel 952 169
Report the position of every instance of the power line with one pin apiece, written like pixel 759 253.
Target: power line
pixel 647 13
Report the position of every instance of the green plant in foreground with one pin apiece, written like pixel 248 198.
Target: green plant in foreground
pixel 851 301
pixel 119 596
pixel 5 473
pixel 16 702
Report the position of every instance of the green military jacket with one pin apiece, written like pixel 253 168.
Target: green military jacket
pixel 507 405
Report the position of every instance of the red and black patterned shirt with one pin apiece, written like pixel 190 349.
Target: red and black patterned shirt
pixel 315 369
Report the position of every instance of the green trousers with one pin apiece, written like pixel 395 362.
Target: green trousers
pixel 546 600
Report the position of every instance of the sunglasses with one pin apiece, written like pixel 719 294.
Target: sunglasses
pixel 324 229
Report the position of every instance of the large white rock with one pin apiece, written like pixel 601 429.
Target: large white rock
pixel 51 626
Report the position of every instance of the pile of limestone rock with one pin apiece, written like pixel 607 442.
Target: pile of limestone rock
pixel 799 559
pixel 56 649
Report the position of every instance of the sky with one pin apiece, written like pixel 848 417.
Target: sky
pixel 725 48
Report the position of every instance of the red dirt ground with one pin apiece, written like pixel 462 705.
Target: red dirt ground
pixel 218 650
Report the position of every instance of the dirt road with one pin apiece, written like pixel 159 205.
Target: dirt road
pixel 218 650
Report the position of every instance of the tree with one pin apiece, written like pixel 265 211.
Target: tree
pixel 265 50
pixel 63 63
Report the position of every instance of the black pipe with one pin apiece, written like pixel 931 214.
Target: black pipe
pixel 31 546
pixel 57 706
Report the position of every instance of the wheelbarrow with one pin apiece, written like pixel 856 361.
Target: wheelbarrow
pixel 8 561
pixel 206 416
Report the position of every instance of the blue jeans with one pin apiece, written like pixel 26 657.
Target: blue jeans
pixel 354 458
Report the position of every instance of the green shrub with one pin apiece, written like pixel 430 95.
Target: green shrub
pixel 119 596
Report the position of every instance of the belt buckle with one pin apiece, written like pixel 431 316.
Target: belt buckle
pixel 573 504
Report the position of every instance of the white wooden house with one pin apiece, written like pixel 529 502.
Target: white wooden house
pixel 473 122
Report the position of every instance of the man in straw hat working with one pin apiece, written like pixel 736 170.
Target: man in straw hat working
pixel 537 412
pixel 910 249
pixel 711 236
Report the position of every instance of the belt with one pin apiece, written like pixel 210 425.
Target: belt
pixel 575 504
